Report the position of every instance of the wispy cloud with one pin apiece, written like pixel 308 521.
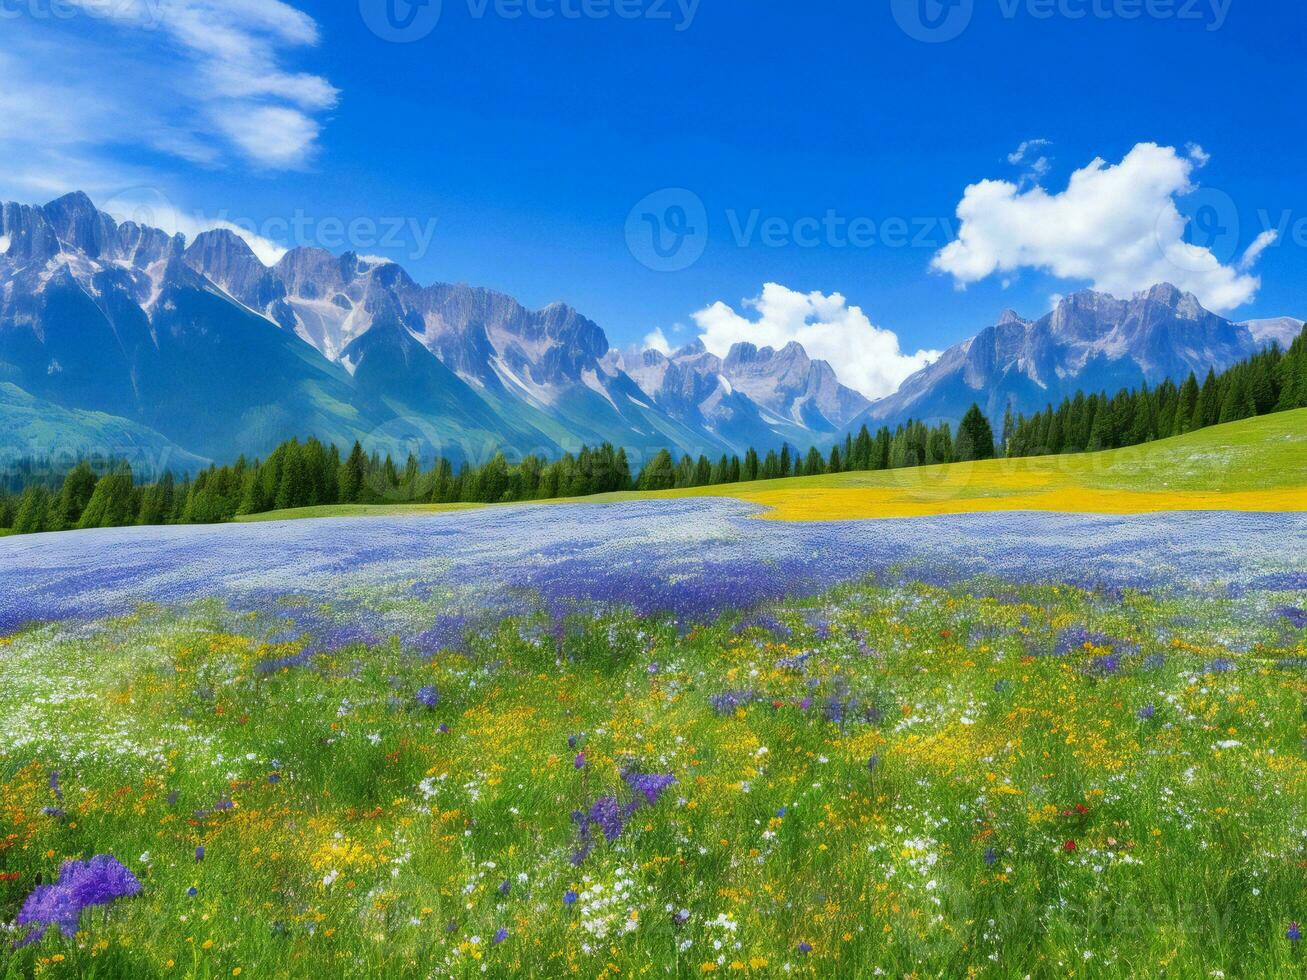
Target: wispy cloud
pixel 110 91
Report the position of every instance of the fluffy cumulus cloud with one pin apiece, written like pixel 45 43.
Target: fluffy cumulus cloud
pixel 196 81
pixel 866 357
pixel 1118 226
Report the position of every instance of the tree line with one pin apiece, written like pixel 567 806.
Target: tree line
pixel 1270 381
pixel 100 493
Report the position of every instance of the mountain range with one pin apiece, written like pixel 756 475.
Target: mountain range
pixel 1089 342
pixel 124 338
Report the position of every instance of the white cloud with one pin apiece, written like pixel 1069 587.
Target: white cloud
pixel 1115 225
pixel 1263 241
pixel 866 358
pixel 1197 154
pixel 148 206
pixel 657 340
pixel 1018 156
pixel 1037 165
pixel 199 80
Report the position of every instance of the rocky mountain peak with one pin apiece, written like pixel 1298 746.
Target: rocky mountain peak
pixel 78 223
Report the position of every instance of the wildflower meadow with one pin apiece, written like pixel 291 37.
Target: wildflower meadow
pixel 504 744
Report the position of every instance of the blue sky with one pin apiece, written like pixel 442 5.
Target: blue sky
pixel 520 145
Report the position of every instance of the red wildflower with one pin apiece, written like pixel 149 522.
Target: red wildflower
pixel 1069 846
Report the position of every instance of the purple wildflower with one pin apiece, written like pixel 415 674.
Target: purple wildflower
pixel 1296 617
pixel 729 702
pixel 606 814
pixel 798 663
pixel 1147 712
pixel 53 811
pixel 804 948
pixel 199 854
pixel 1105 666
pixel 427 697
pixel 505 887
pixel 1293 933
pixel 570 897
pixel 54 786
pixel 500 936
pixel 991 856
pixel 81 885
pixel 1221 665
pixel 649 786
pixel 579 762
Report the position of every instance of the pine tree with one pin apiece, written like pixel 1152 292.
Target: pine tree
pixel 114 503
pixel 353 473
pixel 659 474
pixel 975 437
pixel 32 516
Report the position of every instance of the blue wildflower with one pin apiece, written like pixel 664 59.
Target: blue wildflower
pixel 199 854
pixel 81 885
pixel 991 856
pixel 729 702
pixel 1147 712
pixel 1296 617
pixel 570 897
pixel 427 697
pixel 649 786
pixel 500 936
pixel 1293 933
